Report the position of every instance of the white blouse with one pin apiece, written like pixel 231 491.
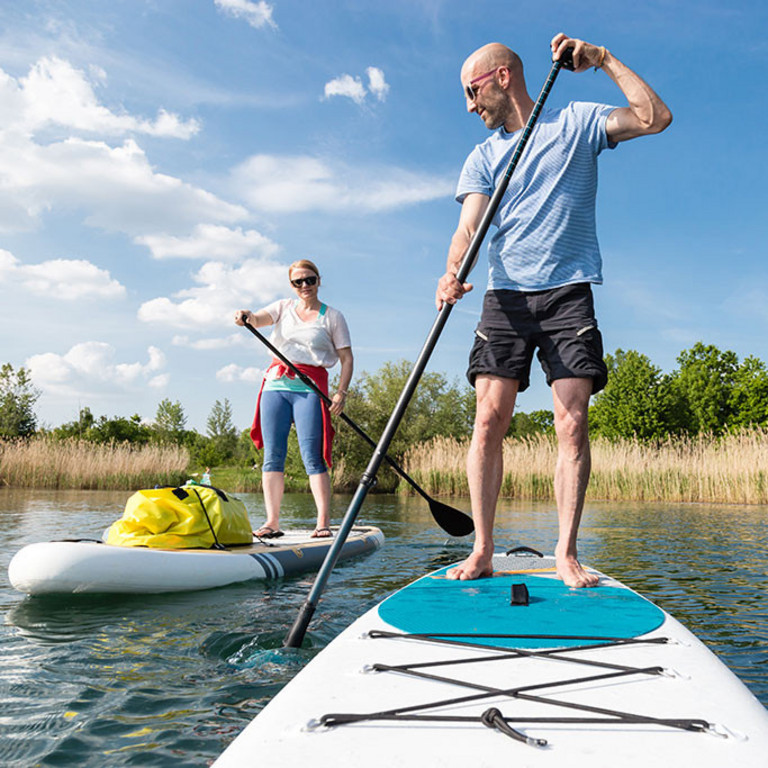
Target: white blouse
pixel 310 343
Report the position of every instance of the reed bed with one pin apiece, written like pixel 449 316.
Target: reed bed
pixel 732 469
pixel 79 464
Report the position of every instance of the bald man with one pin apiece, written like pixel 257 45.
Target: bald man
pixel 543 259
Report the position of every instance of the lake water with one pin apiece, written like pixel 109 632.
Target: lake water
pixel 169 680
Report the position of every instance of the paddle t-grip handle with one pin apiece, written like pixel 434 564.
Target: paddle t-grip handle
pixel 566 59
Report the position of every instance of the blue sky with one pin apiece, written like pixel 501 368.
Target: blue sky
pixel 163 161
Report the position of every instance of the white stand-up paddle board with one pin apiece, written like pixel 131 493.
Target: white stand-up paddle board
pixel 465 673
pixel 75 567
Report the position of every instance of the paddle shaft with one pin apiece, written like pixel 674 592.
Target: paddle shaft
pixel 295 636
pixel 311 384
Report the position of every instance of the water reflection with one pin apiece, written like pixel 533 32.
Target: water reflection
pixel 98 680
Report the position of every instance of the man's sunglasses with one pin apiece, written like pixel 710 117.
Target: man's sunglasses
pixel 299 281
pixel 471 90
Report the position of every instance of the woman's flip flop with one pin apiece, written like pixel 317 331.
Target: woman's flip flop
pixel 265 532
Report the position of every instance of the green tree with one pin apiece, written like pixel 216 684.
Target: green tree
pixel 749 395
pixel 119 429
pixel 543 421
pixel 104 430
pixel 170 422
pixel 202 452
pixel 705 382
pixel 246 454
pixel 78 428
pixel 17 402
pixel 638 401
pixel 534 423
pixel 438 407
pixel 221 431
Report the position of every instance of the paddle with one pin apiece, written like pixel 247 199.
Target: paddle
pixel 451 520
pixel 295 636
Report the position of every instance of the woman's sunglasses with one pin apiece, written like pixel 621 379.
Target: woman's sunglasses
pixel 299 281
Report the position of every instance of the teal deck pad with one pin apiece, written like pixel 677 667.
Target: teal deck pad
pixel 437 605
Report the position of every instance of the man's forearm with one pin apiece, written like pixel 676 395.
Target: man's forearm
pixel 457 250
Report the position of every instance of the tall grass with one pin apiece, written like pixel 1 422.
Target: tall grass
pixel 728 470
pixel 79 464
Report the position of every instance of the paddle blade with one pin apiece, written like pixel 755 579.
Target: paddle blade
pixel 451 520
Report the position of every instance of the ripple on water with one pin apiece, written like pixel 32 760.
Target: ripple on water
pixel 169 680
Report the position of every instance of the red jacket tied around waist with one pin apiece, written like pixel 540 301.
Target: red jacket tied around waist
pixel 319 376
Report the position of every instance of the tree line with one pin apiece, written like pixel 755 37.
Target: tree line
pixel 218 445
pixel 709 392
pixel 18 397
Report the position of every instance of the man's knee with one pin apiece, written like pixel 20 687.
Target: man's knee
pixel 572 436
pixel 495 405
pixel 491 422
pixel 572 410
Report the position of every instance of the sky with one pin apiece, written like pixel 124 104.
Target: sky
pixel 162 162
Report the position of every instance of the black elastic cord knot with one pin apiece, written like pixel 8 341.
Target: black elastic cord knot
pixel 492 718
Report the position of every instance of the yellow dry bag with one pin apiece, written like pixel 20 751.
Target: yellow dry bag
pixel 188 517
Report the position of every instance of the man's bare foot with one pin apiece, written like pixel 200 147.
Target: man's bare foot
pixel 573 574
pixel 476 566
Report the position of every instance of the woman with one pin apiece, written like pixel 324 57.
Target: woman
pixel 313 336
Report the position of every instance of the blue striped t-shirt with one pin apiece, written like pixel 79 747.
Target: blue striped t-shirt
pixel 546 233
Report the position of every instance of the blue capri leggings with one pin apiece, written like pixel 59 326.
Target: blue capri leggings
pixel 278 410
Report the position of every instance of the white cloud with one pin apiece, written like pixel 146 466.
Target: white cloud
pixel 62 279
pixel 115 186
pixel 377 83
pixel 258 14
pixel 282 184
pixel 54 93
pixel 159 382
pixel 233 340
pixel 9 265
pixel 234 373
pixel 90 367
pixel 348 86
pixel 221 290
pixel 353 88
pixel 210 241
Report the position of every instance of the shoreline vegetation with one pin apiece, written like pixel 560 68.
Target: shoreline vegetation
pixel 83 465
pixel 730 469
pixel 698 434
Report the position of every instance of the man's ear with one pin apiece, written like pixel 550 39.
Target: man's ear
pixel 505 77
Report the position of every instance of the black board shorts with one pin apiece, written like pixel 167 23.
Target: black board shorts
pixel 559 322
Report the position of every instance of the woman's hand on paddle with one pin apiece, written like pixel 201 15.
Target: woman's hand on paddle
pixel 450 290
pixel 254 319
pixel 337 403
